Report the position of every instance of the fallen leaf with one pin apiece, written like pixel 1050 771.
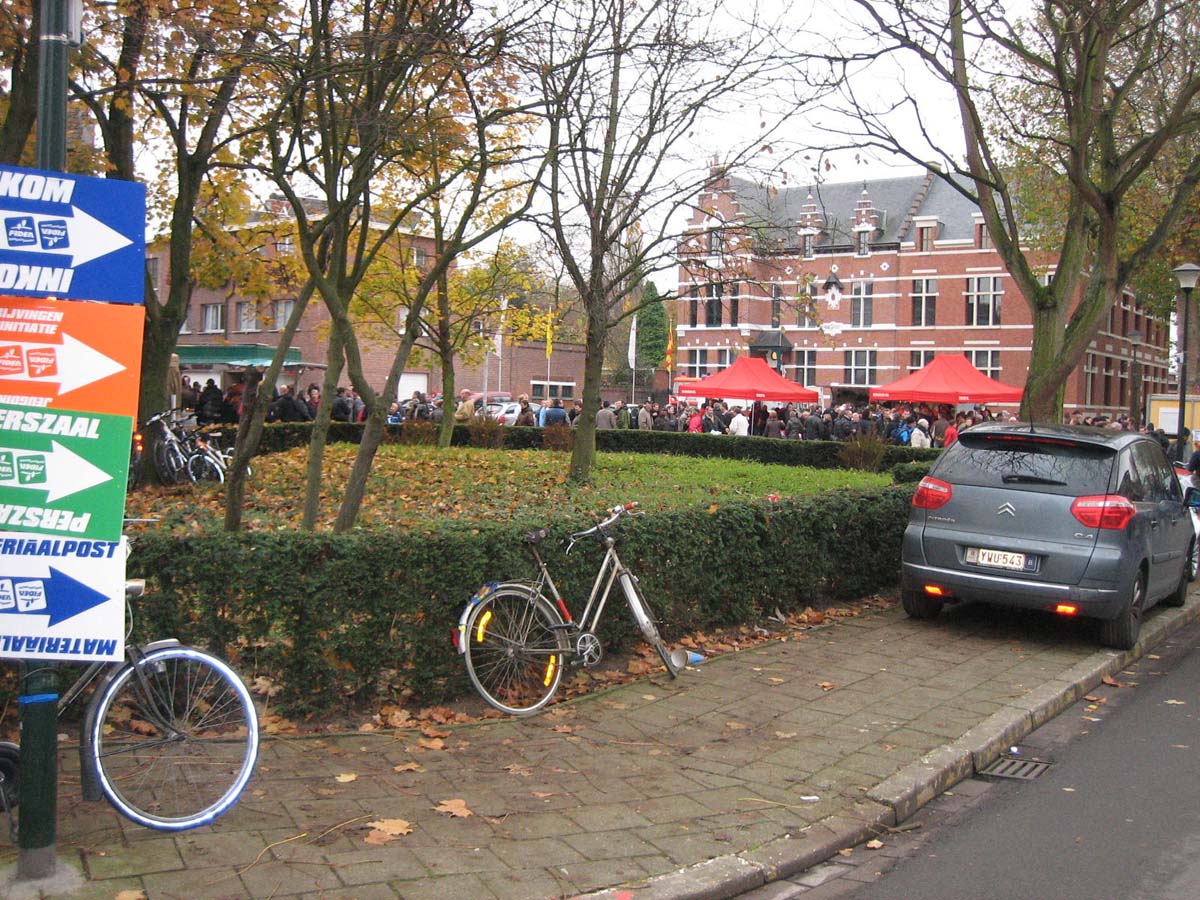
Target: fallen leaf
pixel 847 851
pixel 435 733
pixel 346 778
pixel 393 827
pixel 1069 790
pixel 514 769
pixel 408 767
pixel 875 845
pixel 826 685
pixel 542 795
pixel 563 729
pixel 649 697
pixel 736 726
pixel 431 744
pixel 377 838
pixel 456 807
pixel 130 895
pixel 1175 702
pixel 1090 698
pixel 1108 679
pixel 776 680
pixel 784 735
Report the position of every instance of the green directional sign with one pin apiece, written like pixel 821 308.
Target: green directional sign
pixel 63 472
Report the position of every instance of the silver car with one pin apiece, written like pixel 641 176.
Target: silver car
pixel 1078 521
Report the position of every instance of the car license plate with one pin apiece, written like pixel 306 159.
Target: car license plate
pixel 996 559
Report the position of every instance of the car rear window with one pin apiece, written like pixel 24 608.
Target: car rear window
pixel 1027 462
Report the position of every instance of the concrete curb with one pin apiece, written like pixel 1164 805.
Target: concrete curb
pixel 897 798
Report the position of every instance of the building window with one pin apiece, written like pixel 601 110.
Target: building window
pixel 806 367
pixel 859 367
pixel 285 246
pixel 724 359
pixel 983 238
pixel 549 390
pixel 694 306
pixel 419 257
pixel 152 272
pixel 919 359
pixel 862 304
pixel 247 316
pixel 924 301
pixel 808 245
pixel 712 305
pixel 185 326
pixel 715 241
pixel 862 243
pixel 776 304
pixel 281 312
pixel 213 315
pixel 983 300
pixel 806 309
pixel 697 363
pixel 925 239
pixel 733 303
pixel 986 361
pixel 1089 376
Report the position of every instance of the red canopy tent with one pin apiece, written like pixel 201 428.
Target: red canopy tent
pixel 949 379
pixel 749 378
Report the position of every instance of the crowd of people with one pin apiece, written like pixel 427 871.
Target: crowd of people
pixel 915 425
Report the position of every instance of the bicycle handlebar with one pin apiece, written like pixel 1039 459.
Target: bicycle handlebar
pixel 621 509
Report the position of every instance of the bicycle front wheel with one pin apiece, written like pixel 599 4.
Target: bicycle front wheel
pixel 174 738
pixel 202 467
pixel 645 623
pixel 514 648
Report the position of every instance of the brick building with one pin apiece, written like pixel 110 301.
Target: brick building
pixel 225 332
pixel 842 287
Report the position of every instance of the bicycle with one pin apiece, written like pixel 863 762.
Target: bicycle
pixel 514 640
pixel 169 736
pixel 170 452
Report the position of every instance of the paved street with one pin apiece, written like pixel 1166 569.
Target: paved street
pixel 754 766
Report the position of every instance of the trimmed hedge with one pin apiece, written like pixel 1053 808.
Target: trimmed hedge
pixel 817 454
pixel 344 619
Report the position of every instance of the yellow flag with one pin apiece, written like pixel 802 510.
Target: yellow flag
pixel 549 334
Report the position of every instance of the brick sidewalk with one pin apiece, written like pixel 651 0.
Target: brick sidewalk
pixel 752 765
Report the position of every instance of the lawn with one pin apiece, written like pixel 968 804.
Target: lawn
pixel 411 485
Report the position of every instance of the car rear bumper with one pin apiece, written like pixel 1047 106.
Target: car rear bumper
pixel 1097 602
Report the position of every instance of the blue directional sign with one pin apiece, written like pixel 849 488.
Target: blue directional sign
pixel 59 596
pixel 71 236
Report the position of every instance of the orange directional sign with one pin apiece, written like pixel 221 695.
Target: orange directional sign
pixel 68 354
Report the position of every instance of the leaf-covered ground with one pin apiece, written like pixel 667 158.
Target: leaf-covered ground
pixel 409 485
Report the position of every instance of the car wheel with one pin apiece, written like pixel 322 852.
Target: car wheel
pixel 1193 563
pixel 919 606
pixel 1122 632
pixel 1178 597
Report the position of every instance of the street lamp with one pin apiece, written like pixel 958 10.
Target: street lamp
pixel 1186 275
pixel 1135 388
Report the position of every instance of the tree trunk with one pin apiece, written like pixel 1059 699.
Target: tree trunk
pixel 583 457
pixel 251 427
pixel 314 479
pixel 1044 389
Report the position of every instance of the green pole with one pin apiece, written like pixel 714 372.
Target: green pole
pixel 36 830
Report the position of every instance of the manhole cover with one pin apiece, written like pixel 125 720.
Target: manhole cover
pixel 1015 767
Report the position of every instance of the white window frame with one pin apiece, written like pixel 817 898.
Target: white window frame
pixel 924 299
pixel 919 359
pixel 984 295
pixel 281 311
pixel 550 390
pixel 986 361
pixel 212 318
pixel 247 317
pixel 805 368
pixel 862 304
pixel 860 366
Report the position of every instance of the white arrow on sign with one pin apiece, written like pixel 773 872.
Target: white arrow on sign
pixel 86 238
pixel 66 472
pixel 76 362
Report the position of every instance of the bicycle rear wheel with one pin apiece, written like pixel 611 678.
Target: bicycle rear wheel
pixel 514 649
pixel 174 738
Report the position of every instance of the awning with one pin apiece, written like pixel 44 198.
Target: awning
pixel 749 378
pixel 949 378
pixel 238 356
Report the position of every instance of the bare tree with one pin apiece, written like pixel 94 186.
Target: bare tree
pixel 630 87
pixel 1099 92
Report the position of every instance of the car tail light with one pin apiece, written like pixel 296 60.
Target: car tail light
pixel 932 493
pixel 934 590
pixel 1110 511
pixel 1066 609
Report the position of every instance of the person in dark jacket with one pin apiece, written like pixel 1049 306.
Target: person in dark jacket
pixel 212 404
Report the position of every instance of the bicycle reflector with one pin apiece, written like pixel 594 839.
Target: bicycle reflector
pixel 550 667
pixel 137 441
pixel 481 628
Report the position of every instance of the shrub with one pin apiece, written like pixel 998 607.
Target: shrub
pixel 558 437
pixel 910 472
pixel 864 452
pixel 339 619
pixel 485 432
pixel 418 433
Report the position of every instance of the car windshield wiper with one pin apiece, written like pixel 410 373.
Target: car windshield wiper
pixel 1030 479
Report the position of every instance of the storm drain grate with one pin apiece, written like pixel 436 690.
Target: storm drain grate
pixel 1015 767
